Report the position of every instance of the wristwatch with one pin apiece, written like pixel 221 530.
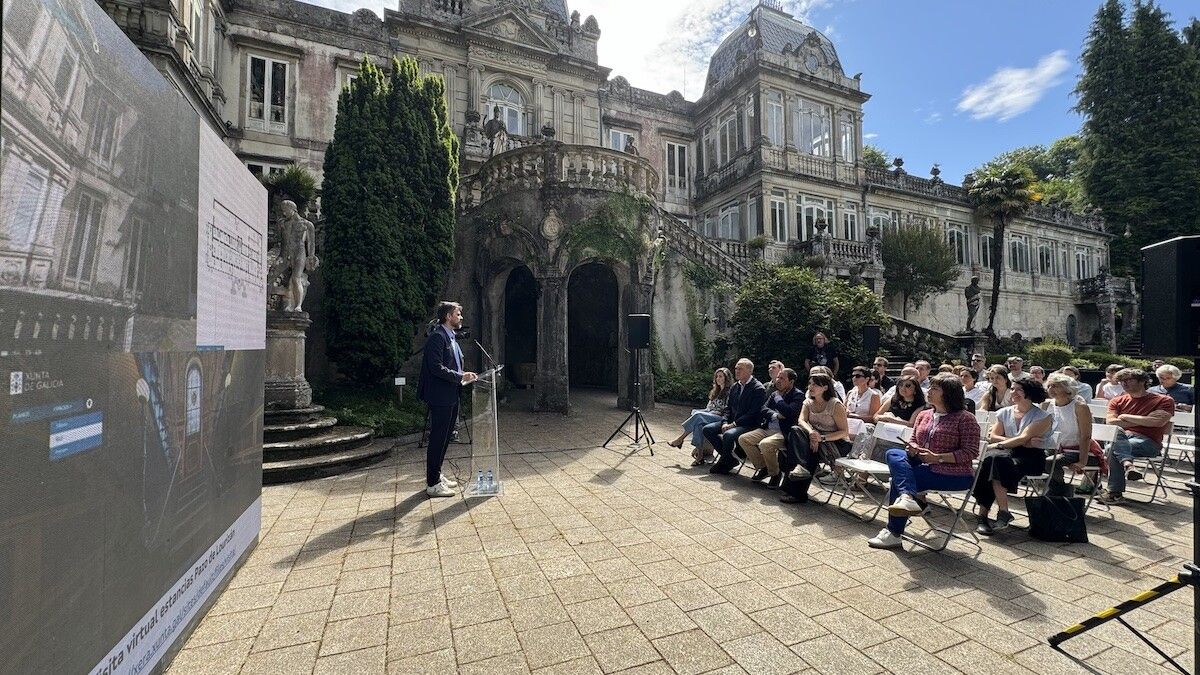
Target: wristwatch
pixel 822 438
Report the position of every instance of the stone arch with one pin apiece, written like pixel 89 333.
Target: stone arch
pixel 519 314
pixel 593 326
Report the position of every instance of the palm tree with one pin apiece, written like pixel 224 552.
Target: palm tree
pixel 1001 194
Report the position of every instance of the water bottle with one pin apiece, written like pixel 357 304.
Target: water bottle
pixel 479 483
pixel 491 482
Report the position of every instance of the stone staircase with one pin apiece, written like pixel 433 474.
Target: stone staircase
pixel 699 249
pixel 306 443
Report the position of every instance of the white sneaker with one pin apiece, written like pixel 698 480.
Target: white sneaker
pixel 439 490
pixel 453 485
pixel 905 505
pixel 885 539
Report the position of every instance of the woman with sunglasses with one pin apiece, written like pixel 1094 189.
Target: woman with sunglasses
pixel 903 406
pixel 862 401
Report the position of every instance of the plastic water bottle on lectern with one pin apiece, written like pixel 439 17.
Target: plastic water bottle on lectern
pixel 479 482
pixel 491 482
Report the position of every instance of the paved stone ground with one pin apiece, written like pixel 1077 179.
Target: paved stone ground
pixel 602 560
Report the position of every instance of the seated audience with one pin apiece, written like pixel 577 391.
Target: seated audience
pixel 718 403
pixel 762 445
pixel 1110 388
pixel 978 363
pixel 1017 446
pixel 773 370
pixel 909 370
pixel 862 402
pixel 1144 419
pixel 1184 395
pixel 1038 374
pixel 880 367
pixel 822 421
pixel 1000 393
pixel 945 368
pixel 822 353
pixel 1081 388
pixel 746 398
pixel 923 368
pixel 902 407
pixel 945 441
pixel 1073 424
pixel 971 387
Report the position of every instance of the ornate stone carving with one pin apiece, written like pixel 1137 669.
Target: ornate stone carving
pixel 972 294
pixel 297 255
pixel 552 225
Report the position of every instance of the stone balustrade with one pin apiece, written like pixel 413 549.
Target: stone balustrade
pixel 701 250
pixel 1104 287
pixel 552 163
pixel 910 340
pixel 843 251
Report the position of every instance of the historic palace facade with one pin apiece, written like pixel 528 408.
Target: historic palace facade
pixel 766 163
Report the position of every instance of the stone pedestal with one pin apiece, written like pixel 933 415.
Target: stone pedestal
pixel 286 387
pixel 971 343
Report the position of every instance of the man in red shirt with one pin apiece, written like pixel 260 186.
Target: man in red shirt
pixel 1144 418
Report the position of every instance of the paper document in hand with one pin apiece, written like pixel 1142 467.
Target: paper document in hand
pixel 895 433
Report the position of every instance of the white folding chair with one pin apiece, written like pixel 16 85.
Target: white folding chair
pixel 944 497
pixel 875 472
pixel 1099 410
pixel 1104 434
pixel 1182 439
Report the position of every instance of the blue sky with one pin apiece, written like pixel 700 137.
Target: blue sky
pixel 951 81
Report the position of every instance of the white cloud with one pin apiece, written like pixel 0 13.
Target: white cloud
pixel 659 45
pixel 867 137
pixel 1012 91
pixel 933 117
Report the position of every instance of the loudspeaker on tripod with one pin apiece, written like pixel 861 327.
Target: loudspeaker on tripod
pixel 637 331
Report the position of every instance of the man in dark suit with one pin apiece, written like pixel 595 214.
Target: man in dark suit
pixel 746 399
pixel 763 446
pixel 442 378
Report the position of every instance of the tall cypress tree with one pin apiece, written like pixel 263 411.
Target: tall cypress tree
pixel 391 173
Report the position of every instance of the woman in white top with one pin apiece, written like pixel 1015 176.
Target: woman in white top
pixel 1073 424
pixel 862 402
pixel 971 387
pixel 1109 388
pixel 1000 394
pixel 1016 448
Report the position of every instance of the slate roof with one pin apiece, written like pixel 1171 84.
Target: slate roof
pixel 776 29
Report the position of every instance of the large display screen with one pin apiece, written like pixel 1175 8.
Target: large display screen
pixel 132 328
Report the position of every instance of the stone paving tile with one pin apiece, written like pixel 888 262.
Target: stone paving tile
pixel 598 560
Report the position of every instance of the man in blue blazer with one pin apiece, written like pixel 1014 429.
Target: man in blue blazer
pixel 442 378
pixel 746 399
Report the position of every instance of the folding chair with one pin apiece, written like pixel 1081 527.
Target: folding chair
pixel 943 497
pixel 1182 439
pixel 1099 410
pixel 875 471
pixel 1156 466
pixel 1104 434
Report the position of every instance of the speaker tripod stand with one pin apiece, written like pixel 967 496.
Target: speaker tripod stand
pixel 640 428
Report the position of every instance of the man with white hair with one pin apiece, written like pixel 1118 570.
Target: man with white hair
pixel 1184 395
pixel 746 399
pixel 1082 389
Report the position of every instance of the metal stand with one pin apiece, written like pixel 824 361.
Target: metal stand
pixel 639 422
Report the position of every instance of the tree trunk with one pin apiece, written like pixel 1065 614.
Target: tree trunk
pixel 904 309
pixel 997 270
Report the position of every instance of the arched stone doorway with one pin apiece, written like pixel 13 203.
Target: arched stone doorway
pixel 521 326
pixel 593 321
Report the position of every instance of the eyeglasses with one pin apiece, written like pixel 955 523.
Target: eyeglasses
pixel 858 376
pixel 906 385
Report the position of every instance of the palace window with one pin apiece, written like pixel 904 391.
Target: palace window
pixel 956 236
pixel 135 279
pixel 813 133
pixel 1085 265
pixel 617 139
pixel 347 78
pixel 23 224
pixel 985 250
pixel 779 224
pixel 264 169
pixel 104 129
pixel 511 105
pixel 194 389
pixel 24 16
pixel 775 118
pixel 710 149
pixel 813 209
pixel 850 221
pixel 730 222
pixel 728 138
pixel 886 221
pixel 1018 253
pixel 753 226
pixel 1045 258
pixel 85 239
pixel 197 30
pixel 677 169
pixel 66 74
pixel 267 104
pixel 846 136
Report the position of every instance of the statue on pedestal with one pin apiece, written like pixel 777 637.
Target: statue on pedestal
pixel 496 132
pixel 297 238
pixel 973 301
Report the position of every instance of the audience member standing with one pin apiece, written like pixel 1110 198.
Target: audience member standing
pixel 822 353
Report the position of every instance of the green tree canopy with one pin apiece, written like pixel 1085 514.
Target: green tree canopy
pixel 1001 194
pixel 780 308
pixel 917 262
pixel 874 156
pixel 391 174
pixel 1139 94
pixel 1056 170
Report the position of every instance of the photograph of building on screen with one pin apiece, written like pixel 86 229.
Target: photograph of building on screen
pixel 97 220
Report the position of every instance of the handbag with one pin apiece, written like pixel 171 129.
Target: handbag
pixel 1057 519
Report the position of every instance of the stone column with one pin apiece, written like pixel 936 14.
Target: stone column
pixel 551 385
pixel 286 386
pixel 475 86
pixel 539 107
pixel 448 76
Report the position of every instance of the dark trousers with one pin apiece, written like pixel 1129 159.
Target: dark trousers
pixel 724 442
pixel 441 424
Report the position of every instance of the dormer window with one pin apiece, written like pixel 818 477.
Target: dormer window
pixel 511 105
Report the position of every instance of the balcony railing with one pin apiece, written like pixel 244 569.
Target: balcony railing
pixel 926 187
pixel 553 163
pixel 702 250
pixel 1103 287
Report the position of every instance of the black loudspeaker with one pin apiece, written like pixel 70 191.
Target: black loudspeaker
pixel 637 329
pixel 1171 297
pixel 870 341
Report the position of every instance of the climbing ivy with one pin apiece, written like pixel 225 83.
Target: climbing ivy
pixel 614 232
pixel 702 277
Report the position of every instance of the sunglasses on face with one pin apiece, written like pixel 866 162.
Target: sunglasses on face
pixel 906 385
pixel 858 376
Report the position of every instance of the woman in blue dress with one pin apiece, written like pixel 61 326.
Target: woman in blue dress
pixel 718 403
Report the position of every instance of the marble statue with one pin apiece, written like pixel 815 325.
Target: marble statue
pixel 973 301
pixel 297 238
pixel 630 147
pixel 496 132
